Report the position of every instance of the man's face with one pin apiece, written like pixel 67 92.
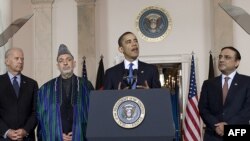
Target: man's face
pixel 130 47
pixel 66 64
pixel 227 61
pixel 15 61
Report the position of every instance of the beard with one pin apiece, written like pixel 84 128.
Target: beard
pixel 66 73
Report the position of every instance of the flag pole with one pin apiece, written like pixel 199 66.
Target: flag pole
pixel 84 58
pixel 84 69
pixel 100 75
pixel 192 125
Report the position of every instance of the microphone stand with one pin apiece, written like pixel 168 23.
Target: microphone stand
pixel 126 78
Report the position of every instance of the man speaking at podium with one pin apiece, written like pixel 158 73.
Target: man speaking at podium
pixel 131 73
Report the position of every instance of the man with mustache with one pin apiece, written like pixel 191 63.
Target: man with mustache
pixel 144 76
pixel 62 103
pixel 225 99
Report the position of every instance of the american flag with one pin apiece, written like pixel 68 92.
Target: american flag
pixel 191 126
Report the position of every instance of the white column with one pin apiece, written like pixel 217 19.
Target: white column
pixel 223 30
pixel 43 40
pixel 5 21
pixel 86 37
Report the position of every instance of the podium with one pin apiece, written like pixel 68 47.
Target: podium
pixel 157 124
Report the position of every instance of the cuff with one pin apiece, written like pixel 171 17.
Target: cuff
pixel 5 134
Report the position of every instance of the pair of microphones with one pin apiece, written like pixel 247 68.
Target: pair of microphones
pixel 128 80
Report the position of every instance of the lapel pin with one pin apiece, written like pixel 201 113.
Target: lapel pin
pixel 142 71
pixel 235 84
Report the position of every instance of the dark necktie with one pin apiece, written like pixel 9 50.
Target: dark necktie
pixel 131 80
pixel 16 86
pixel 225 89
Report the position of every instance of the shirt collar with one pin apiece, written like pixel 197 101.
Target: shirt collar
pixel 230 75
pixel 126 64
pixel 11 76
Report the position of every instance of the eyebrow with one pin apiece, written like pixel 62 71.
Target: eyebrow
pixel 65 58
pixel 226 56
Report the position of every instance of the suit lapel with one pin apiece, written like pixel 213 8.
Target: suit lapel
pixel 23 86
pixel 121 66
pixel 140 72
pixel 9 84
pixel 219 86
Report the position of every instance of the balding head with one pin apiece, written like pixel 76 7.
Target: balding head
pixel 14 60
pixel 11 50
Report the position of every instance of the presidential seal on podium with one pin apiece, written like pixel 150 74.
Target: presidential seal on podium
pixel 128 112
pixel 153 24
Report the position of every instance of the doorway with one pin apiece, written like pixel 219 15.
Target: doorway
pixel 171 78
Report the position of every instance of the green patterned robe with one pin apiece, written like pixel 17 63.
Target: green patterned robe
pixel 48 109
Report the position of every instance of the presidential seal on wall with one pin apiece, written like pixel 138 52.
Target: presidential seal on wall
pixel 128 112
pixel 153 24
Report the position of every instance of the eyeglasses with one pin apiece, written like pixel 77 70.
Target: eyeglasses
pixel 226 57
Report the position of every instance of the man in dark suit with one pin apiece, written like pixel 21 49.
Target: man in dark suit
pixel 17 92
pixel 146 75
pixel 225 99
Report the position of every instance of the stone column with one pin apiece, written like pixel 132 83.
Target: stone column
pixel 223 30
pixel 43 69
pixel 86 37
pixel 223 26
pixel 5 21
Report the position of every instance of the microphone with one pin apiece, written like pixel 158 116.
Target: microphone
pixel 125 74
pixel 135 71
pixel 125 78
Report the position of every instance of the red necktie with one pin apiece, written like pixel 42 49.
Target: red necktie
pixel 225 89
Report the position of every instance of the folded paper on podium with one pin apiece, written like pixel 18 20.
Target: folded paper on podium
pixel 130 115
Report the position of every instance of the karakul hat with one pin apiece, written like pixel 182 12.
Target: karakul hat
pixel 63 50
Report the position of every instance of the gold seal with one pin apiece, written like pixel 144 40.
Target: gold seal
pixel 128 112
pixel 153 24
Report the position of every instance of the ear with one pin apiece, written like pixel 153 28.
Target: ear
pixel 6 62
pixel 120 49
pixel 237 63
pixel 57 66
pixel 74 64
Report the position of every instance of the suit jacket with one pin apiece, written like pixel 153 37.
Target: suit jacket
pixel 236 109
pixel 114 75
pixel 17 112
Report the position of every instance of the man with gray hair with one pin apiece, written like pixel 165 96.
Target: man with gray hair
pixel 62 103
pixel 17 92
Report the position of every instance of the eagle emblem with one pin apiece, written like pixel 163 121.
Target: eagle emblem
pixel 153 24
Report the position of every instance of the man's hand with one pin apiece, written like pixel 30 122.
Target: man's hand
pixel 143 87
pixel 18 134
pixel 219 128
pixel 137 87
pixel 12 134
pixel 119 86
pixel 21 133
pixel 67 137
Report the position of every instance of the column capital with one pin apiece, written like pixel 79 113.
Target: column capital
pixel 85 2
pixel 42 1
